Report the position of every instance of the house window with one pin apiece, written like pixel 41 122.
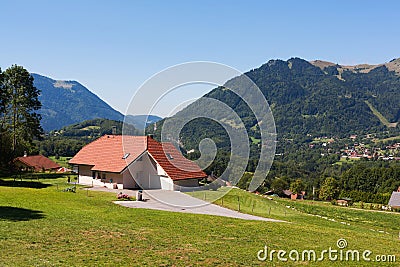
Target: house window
pixel 126 156
pixel 169 156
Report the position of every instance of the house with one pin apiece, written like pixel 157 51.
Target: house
pixel 300 196
pixel 394 201
pixel 35 163
pixel 293 196
pixel 117 161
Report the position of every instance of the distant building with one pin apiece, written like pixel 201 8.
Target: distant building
pixel 394 201
pixel 35 163
pixel 292 196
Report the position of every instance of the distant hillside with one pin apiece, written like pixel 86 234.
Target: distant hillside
pixel 92 129
pixel 141 121
pixel 315 99
pixel 68 140
pixel 68 102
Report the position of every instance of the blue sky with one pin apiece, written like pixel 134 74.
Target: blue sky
pixel 112 47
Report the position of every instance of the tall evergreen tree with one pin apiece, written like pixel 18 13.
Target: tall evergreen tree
pixel 20 123
pixel 4 151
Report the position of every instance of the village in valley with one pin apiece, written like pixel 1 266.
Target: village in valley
pixel 368 148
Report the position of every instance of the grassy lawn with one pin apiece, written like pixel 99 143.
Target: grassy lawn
pixel 394 138
pixel 322 140
pixel 346 160
pixel 380 116
pixel 40 225
pixel 62 161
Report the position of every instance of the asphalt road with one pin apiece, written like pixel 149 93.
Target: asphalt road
pixel 179 202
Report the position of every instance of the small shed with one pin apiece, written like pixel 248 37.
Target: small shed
pixel 36 163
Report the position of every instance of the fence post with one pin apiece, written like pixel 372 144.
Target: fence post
pixel 269 212
pixel 252 208
pixel 238 203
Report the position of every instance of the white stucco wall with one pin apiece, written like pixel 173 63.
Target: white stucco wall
pixel 85 175
pixel 145 173
pixel 128 181
pixel 86 178
pixel 166 183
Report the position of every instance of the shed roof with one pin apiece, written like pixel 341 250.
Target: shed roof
pixel 38 162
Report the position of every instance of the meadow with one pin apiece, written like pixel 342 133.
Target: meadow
pixel 41 225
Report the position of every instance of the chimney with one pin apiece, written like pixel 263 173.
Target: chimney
pixel 150 136
pixel 114 130
pixel 26 154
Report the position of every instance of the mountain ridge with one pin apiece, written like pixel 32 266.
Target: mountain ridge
pixel 392 65
pixel 309 100
pixel 68 102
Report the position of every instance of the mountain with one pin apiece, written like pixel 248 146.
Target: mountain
pixel 312 99
pixel 141 121
pixel 68 102
pixel 393 65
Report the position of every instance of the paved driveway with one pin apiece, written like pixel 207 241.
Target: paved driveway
pixel 180 202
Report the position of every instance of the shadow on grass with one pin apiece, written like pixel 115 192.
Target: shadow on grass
pixel 43 175
pixel 27 184
pixel 19 214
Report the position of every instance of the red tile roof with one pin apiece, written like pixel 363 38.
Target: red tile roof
pixel 107 152
pixel 38 162
pixel 177 167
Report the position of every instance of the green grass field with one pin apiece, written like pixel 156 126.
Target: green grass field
pixel 62 161
pixel 40 225
pixel 380 116
pixel 346 160
pixel 393 138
